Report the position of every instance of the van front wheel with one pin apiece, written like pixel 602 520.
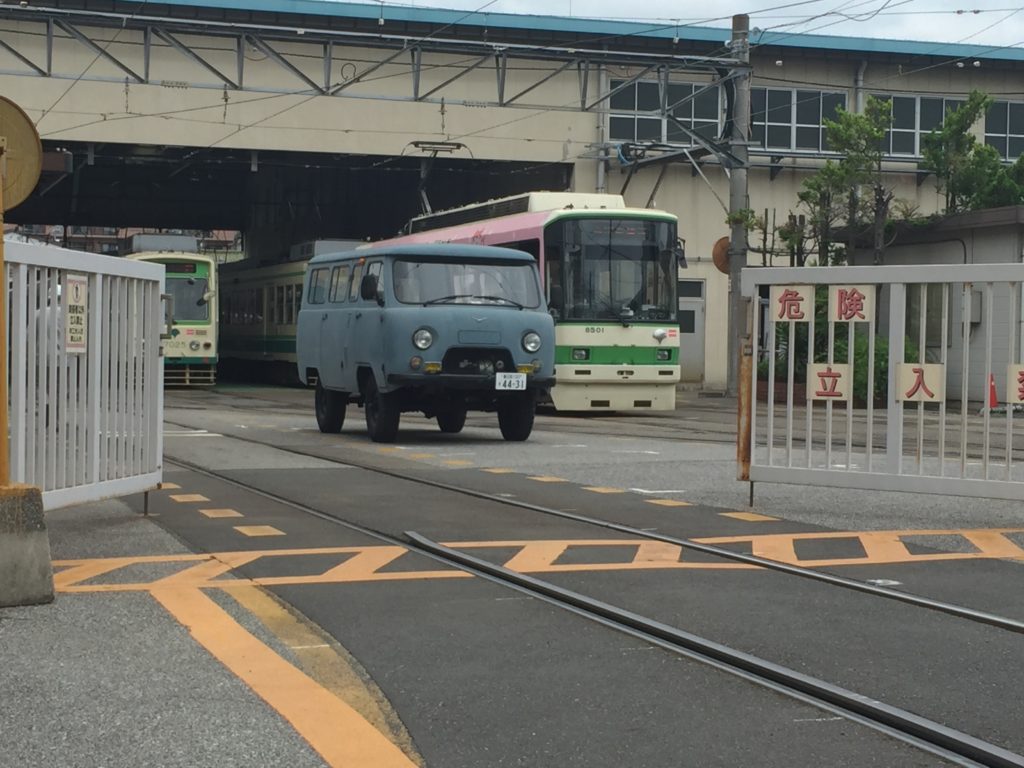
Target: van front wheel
pixel 330 409
pixel 515 416
pixel 451 417
pixel 382 413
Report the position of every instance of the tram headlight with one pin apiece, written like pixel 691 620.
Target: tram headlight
pixel 580 354
pixel 663 354
pixel 193 345
pixel 423 339
pixel 531 341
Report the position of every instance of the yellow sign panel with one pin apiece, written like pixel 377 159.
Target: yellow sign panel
pixel 1014 383
pixel 791 304
pixel 921 383
pixel 829 381
pixel 76 314
pixel 851 303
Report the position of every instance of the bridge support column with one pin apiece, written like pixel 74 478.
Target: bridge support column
pixel 26 575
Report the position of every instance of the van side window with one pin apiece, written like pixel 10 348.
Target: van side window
pixel 318 286
pixel 374 268
pixel 339 283
pixel 357 276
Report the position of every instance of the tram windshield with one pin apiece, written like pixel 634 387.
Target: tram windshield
pixel 611 269
pixel 190 304
pixel 508 283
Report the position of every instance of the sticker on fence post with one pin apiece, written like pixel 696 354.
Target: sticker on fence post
pixel 921 383
pixel 851 303
pixel 792 303
pixel 829 381
pixel 76 312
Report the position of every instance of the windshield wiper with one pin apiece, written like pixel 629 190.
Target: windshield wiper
pixel 483 297
pixel 452 297
pixel 501 298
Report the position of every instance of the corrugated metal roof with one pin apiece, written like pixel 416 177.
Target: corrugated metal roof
pixel 603 28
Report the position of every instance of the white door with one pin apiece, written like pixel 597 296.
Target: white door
pixel 691 330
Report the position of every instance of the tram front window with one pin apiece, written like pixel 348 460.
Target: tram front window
pixel 614 269
pixel 190 302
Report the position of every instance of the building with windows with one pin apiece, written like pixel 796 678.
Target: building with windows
pixel 292 122
pixel 798 81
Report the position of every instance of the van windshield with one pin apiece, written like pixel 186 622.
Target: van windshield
pixel 511 284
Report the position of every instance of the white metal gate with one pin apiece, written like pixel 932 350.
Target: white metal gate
pixel 86 409
pixel 954 338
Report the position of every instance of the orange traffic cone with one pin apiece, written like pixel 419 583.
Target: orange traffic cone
pixel 993 398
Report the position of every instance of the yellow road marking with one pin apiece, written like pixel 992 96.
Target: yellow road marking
pixel 601 489
pixel 499 470
pixel 332 727
pixel 458 463
pixel 327 662
pixel 169 486
pixel 364 564
pixel 421 455
pixel 668 502
pixel 752 517
pixel 221 513
pixel 547 479
pixel 387 450
pixel 258 530
pixel 188 497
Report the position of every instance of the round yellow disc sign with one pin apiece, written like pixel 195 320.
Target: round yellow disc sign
pixel 22 160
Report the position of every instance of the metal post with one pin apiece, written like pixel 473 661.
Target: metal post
pixel 738 197
pixel 5 459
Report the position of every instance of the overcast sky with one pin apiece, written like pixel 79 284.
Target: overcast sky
pixel 984 22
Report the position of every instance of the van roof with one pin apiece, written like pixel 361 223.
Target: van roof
pixel 427 250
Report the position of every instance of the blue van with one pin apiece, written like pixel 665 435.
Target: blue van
pixel 438 328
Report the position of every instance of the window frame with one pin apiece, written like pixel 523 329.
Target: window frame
pixel 667 129
pixel 1006 135
pixel 948 104
pixel 794 124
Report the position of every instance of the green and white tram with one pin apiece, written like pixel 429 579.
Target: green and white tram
pixel 190 354
pixel 258 314
pixel 610 276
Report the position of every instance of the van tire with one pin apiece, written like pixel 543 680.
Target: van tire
pixel 451 417
pixel 515 416
pixel 330 409
pixel 382 413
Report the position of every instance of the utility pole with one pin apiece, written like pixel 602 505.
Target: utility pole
pixel 739 199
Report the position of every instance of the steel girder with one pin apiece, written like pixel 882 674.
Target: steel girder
pixel 83 27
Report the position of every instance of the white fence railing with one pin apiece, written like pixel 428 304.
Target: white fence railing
pixel 831 414
pixel 86 410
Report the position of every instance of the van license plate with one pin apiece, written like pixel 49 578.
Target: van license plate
pixel 510 381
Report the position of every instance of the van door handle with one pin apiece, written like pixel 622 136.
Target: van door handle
pixel 323 316
pixel 358 315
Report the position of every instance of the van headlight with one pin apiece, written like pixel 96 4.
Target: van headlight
pixel 422 338
pixel 531 341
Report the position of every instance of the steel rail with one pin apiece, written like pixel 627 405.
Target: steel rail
pixel 963 612
pixel 900 720
pixel 920 732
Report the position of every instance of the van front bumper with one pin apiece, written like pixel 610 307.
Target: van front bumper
pixel 461 381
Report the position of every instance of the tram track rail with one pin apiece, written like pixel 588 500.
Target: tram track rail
pixel 928 735
pixel 952 609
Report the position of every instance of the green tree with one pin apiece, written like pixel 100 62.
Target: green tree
pixel 971 174
pixel 823 196
pixel 858 138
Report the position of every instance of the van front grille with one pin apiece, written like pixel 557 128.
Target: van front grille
pixel 475 361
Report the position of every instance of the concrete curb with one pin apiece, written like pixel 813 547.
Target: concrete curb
pixel 26 575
